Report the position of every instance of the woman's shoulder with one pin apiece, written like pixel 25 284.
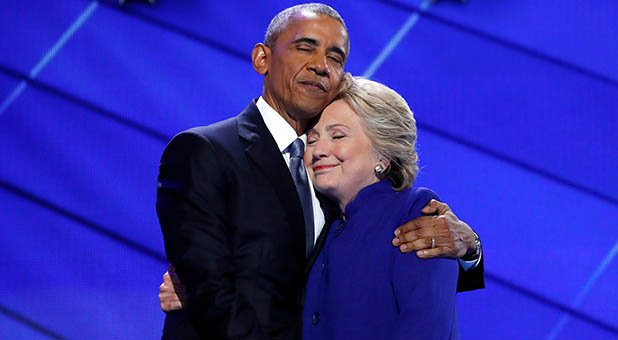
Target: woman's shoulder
pixel 422 193
pixel 416 198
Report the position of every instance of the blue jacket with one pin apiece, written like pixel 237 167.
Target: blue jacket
pixel 361 287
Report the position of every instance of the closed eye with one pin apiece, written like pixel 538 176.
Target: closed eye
pixel 337 60
pixel 305 47
pixel 312 138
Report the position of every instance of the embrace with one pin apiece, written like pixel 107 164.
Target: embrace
pixel 297 218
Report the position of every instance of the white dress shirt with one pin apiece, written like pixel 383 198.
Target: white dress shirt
pixel 284 135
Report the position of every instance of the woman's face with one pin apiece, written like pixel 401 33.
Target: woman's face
pixel 339 158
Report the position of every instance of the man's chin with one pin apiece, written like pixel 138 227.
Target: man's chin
pixel 309 112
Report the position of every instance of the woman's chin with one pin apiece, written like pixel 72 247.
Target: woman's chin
pixel 326 190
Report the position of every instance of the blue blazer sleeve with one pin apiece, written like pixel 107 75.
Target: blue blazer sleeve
pixel 424 290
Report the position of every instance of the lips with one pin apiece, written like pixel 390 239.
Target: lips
pixel 316 84
pixel 322 167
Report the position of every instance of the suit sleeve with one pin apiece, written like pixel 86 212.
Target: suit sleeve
pixel 472 279
pixel 191 205
pixel 425 291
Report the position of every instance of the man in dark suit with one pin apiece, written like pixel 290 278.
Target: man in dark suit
pixel 232 220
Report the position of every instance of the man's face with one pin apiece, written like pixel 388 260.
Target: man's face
pixel 306 65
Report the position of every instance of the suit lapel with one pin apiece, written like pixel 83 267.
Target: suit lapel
pixel 264 152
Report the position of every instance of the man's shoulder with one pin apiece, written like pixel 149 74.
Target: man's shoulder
pixel 219 136
pixel 215 130
pixel 214 135
pixel 227 129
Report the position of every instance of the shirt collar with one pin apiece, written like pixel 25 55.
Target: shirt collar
pixel 278 127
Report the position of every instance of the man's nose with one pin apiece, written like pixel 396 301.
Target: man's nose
pixel 319 65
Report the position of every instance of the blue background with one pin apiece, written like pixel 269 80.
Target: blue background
pixel 516 104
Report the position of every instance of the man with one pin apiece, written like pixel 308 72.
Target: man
pixel 235 226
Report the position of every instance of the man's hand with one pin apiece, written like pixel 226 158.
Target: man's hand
pixel 171 291
pixel 451 237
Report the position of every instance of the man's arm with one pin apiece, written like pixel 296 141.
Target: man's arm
pixel 191 198
pixel 450 236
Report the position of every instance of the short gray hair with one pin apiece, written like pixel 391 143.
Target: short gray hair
pixel 283 19
pixel 389 124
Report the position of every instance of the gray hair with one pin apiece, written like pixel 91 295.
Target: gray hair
pixel 389 124
pixel 283 19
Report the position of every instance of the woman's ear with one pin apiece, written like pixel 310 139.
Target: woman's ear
pixel 386 163
pixel 384 160
pixel 260 56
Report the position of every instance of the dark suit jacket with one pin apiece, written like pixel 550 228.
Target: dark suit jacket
pixel 233 227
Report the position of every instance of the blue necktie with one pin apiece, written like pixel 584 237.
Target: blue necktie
pixel 299 174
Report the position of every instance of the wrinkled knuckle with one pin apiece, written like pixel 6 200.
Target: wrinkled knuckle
pixel 407 237
pixel 441 222
pixel 406 227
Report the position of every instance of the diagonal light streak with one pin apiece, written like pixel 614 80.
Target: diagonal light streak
pixel 395 40
pixel 49 55
pixel 579 298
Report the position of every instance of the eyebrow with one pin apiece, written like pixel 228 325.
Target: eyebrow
pixel 337 126
pixel 309 41
pixel 314 42
pixel 328 128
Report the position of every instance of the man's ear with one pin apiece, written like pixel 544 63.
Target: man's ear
pixel 261 58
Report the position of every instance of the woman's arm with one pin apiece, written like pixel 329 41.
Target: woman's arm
pixel 424 289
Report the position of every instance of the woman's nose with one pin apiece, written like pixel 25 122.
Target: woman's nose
pixel 319 149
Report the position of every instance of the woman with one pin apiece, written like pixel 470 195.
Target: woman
pixel 361 154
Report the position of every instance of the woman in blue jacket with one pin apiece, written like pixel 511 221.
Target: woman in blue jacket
pixel 361 154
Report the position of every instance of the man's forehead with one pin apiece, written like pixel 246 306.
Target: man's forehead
pixel 306 19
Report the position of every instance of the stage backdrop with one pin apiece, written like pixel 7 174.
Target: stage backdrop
pixel 517 109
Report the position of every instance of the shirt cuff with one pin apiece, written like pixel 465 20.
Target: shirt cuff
pixel 469 265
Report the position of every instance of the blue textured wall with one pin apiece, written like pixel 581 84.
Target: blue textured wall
pixel 517 108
